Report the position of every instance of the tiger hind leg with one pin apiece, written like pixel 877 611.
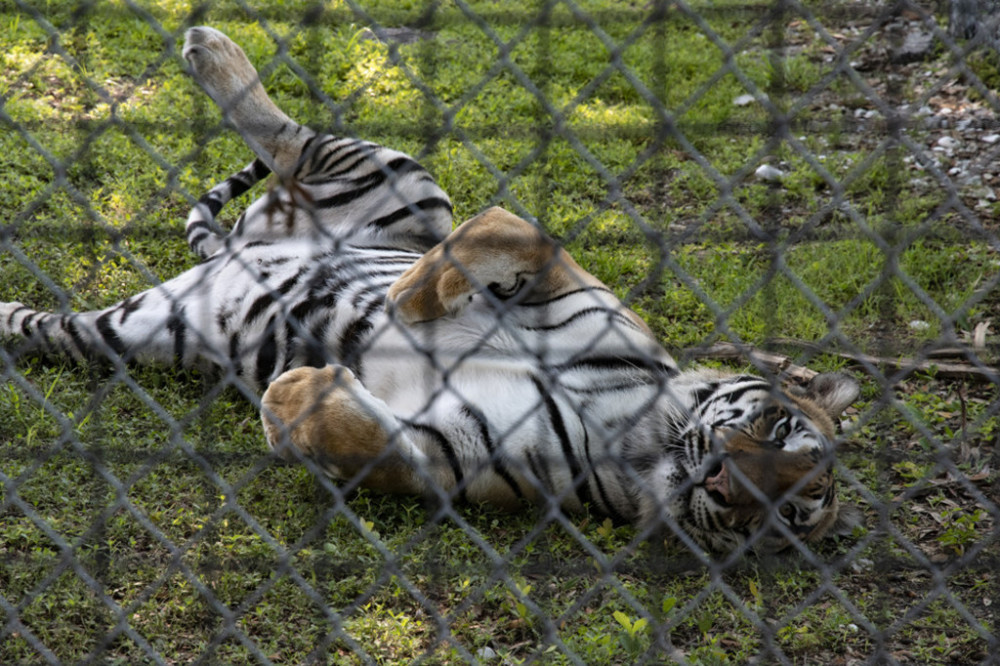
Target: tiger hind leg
pixel 224 72
pixel 325 414
pixel 495 251
pixel 202 233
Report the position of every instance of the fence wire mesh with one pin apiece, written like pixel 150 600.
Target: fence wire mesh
pixel 773 187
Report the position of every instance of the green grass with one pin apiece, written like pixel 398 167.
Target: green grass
pixel 175 517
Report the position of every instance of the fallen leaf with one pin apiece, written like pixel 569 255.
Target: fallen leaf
pixel 979 335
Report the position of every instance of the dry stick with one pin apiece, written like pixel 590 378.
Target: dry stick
pixel 779 363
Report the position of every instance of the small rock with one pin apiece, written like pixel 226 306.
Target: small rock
pixel 919 325
pixel 916 46
pixel 991 138
pixel 947 142
pixel 486 653
pixel 769 173
pixel 743 100
pixel 862 564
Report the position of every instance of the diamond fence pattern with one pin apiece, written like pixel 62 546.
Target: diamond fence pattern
pixel 778 185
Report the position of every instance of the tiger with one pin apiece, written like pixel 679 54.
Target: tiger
pixel 479 363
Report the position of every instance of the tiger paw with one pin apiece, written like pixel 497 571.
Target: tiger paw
pixel 220 66
pixel 327 415
pixel 429 290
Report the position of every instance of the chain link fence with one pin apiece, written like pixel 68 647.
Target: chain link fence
pixel 773 187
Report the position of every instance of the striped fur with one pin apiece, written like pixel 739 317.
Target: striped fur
pixel 483 363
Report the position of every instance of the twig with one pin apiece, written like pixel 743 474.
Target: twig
pixel 776 363
pixel 779 363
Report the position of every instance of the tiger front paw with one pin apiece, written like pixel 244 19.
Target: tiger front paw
pixel 327 415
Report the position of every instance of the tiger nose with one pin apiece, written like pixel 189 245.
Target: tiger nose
pixel 719 482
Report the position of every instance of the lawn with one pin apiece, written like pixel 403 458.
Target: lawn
pixel 141 519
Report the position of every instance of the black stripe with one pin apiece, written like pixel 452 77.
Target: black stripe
pixel 352 337
pixel 365 184
pixel 586 312
pixel 484 433
pixel 267 355
pixel 446 448
pixel 303 309
pixel 315 349
pixel 362 186
pixel 379 289
pixel 582 490
pixel 540 468
pixel 704 393
pixel 130 305
pixel 26 323
pixel 235 357
pixel 198 225
pixel 333 159
pixel 195 241
pixel 401 263
pixel 292 343
pixel 362 252
pixel 177 326
pixel 309 165
pixel 619 363
pixel 734 396
pixel 10 317
pixel 238 226
pixel 609 508
pixel 273 261
pixel 309 152
pixel 430 203
pixel 258 307
pixel 629 384
pixel 259 169
pixel 549 301
pixel 240 183
pixel 42 330
pixel 67 324
pixel 109 334
pixel 265 300
pixel 213 204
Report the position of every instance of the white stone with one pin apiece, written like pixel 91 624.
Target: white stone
pixel 769 173
pixel 743 100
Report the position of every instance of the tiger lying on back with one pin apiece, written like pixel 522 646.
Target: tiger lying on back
pixel 483 363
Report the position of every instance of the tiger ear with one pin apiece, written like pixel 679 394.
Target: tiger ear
pixel 833 392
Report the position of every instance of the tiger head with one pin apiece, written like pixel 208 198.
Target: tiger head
pixel 758 464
